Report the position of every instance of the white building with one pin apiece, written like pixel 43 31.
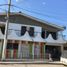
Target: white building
pixel 31 38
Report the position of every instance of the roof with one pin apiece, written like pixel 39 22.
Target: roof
pixel 36 19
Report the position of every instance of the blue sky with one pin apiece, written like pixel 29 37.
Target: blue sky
pixel 54 11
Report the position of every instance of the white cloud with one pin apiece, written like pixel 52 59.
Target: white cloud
pixel 43 3
pixel 17 0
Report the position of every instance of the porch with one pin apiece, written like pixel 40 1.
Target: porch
pixel 28 51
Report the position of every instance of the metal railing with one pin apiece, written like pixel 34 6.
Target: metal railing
pixel 10 54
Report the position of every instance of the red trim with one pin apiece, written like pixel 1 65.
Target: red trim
pixel 41 50
pixel 7 53
pixel 15 54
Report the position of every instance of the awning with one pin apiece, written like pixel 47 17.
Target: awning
pixel 38 38
pixel 26 37
pixel 1 35
pixel 60 39
pixel 50 40
pixel 13 36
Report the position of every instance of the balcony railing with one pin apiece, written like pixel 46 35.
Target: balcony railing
pixel 10 54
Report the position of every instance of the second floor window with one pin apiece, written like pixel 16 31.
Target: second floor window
pixel 31 31
pixel 2 29
pixel 54 34
pixel 23 30
pixel 43 34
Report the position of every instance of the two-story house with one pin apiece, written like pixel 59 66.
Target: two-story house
pixel 30 38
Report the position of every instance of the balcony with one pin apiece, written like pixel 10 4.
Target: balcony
pixel 15 35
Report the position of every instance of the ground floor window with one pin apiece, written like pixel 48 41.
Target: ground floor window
pixel 25 50
pixel 39 50
pixel 12 50
pixel 36 51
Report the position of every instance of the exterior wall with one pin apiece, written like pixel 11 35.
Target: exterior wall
pixel 18 27
pixel 37 50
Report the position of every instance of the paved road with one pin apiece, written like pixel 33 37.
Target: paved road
pixel 31 65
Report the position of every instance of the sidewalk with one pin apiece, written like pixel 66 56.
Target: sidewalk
pixel 32 63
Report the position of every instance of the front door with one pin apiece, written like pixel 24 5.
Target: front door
pixel 54 51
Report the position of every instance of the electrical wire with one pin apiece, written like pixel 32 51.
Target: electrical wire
pixel 38 13
pixel 31 11
pixel 3 9
pixel 3 4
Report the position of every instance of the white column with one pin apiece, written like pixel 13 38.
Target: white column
pixel 19 49
pixel 44 50
pixel 61 48
pixel 0 48
pixel 33 50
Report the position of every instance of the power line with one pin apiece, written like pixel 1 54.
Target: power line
pixel 31 11
pixel 38 13
pixel 3 4
pixel 3 9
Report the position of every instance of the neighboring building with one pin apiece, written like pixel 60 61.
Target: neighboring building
pixel 31 38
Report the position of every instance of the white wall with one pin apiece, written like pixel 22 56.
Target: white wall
pixel 18 27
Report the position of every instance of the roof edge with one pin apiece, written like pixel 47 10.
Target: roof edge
pixel 36 19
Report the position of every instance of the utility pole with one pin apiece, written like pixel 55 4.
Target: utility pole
pixel 6 31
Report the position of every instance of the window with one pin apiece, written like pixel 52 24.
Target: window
pixel 54 34
pixel 12 50
pixel 3 29
pixel 43 33
pixel 65 48
pixel 15 46
pixel 47 33
pixel 31 31
pixel 23 30
pixel 12 46
pixel 9 46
